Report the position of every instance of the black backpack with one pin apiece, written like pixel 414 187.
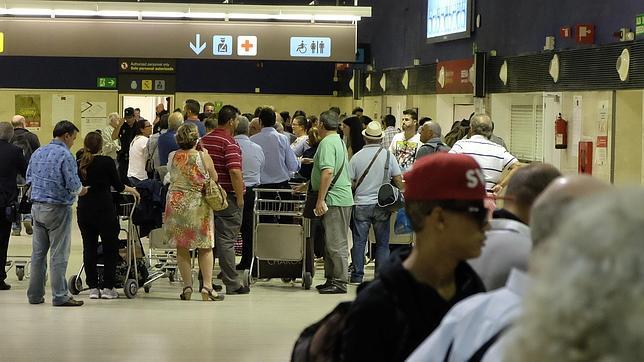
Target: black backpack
pixel 21 140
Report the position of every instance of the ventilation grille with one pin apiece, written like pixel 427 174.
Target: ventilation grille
pixel 580 69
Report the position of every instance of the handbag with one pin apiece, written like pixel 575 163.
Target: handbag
pixel 389 196
pixel 312 197
pixel 149 162
pixel 24 206
pixel 214 194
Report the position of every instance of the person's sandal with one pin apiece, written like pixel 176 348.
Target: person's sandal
pixel 186 294
pixel 207 294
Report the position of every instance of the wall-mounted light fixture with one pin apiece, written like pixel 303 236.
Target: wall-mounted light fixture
pixel 554 68
pixel 405 79
pixel 623 64
pixel 503 73
pixel 441 77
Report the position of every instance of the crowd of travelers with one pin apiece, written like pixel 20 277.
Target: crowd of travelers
pixel 545 276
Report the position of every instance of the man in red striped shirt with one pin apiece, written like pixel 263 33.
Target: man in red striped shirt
pixel 226 155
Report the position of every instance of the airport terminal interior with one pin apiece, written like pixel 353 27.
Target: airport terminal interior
pixel 549 83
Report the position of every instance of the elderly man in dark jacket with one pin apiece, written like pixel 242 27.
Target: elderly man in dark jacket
pixel 12 164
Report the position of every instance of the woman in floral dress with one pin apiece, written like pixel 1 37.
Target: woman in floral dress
pixel 188 218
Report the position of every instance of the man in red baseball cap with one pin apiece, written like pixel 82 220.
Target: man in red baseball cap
pixel 391 316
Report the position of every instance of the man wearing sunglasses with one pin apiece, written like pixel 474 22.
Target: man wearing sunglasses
pixel 391 316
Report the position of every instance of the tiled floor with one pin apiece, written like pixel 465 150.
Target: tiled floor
pixel 158 326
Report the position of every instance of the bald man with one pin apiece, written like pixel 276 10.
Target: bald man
pixel 471 328
pixel 430 136
pixel 254 127
pixel 29 143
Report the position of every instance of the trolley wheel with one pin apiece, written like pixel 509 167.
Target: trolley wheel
pixel 307 281
pixel 75 284
pixel 146 289
pixel 171 276
pixel 246 278
pixel 287 280
pixel 20 272
pixel 130 288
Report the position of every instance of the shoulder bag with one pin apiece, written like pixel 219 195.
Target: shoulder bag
pixel 214 194
pixel 312 197
pixel 389 196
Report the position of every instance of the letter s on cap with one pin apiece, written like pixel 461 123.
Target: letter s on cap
pixel 473 178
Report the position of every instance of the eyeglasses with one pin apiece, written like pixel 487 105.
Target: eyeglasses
pixel 477 213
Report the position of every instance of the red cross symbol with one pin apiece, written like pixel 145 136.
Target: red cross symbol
pixel 247 45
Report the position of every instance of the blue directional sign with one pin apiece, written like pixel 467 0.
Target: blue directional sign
pixel 305 46
pixel 222 45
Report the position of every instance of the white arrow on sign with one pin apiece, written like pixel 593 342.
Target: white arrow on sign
pixel 199 47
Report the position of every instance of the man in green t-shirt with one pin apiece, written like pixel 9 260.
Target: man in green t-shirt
pixel 334 202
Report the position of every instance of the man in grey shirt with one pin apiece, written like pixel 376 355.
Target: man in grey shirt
pixel 508 242
pixel 252 163
pixel 367 178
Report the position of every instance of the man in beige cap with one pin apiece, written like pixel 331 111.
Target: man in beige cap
pixel 372 166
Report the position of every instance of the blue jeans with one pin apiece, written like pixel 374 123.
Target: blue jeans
pixel 364 216
pixel 52 232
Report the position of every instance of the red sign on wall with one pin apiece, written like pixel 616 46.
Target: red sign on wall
pixel 453 77
pixel 585 34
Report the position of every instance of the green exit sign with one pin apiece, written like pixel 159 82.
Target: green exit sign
pixel 639 25
pixel 105 82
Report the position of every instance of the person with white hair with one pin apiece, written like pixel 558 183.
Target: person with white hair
pixel 586 302
pixel 430 136
pixel 471 328
pixel 497 163
pixel 29 143
pixel 111 146
pixel 253 161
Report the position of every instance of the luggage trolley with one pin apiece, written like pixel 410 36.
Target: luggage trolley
pixel 280 234
pixel 133 271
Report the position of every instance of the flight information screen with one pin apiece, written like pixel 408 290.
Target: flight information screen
pixel 448 19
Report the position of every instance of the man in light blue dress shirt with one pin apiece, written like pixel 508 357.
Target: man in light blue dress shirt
pixel 53 175
pixel 280 159
pixel 252 163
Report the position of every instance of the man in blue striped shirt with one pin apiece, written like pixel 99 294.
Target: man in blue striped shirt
pixel 53 175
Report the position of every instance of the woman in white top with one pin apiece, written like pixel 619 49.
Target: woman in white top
pixel 139 152
pixel 300 130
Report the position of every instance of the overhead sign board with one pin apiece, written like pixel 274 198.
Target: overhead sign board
pixel 155 66
pixel 187 39
pixel 146 83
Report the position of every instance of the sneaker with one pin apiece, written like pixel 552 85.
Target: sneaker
pixel 28 228
pixel 94 293
pixel 4 286
pixel 15 232
pixel 355 280
pixel 241 290
pixel 109 293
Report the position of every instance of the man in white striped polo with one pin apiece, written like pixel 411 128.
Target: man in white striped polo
pixel 491 157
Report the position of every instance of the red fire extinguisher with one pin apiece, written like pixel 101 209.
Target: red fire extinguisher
pixel 561 133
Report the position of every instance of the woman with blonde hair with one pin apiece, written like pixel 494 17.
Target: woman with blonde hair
pixel 188 218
